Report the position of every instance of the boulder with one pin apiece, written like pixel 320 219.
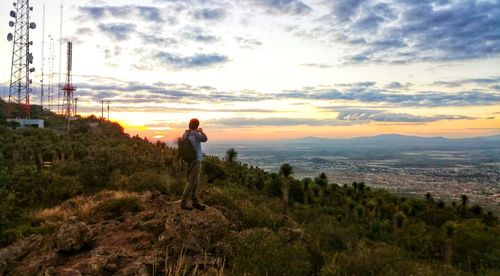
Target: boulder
pixel 17 251
pixel 72 237
pixel 193 231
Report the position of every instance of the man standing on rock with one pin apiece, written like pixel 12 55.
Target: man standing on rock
pixel 196 136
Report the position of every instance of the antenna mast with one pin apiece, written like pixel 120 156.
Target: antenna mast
pixel 68 88
pixel 19 90
pixel 51 75
pixel 43 58
pixel 59 108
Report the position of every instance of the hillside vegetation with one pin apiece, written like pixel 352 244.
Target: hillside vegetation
pixel 277 225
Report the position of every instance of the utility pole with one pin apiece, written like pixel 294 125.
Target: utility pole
pixel 76 106
pixel 102 110
pixel 108 102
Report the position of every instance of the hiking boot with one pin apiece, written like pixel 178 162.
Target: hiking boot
pixel 199 206
pixel 185 206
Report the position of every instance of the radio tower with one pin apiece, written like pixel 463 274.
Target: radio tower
pixel 19 90
pixel 68 89
pixel 43 60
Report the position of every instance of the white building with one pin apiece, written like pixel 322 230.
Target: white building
pixel 34 123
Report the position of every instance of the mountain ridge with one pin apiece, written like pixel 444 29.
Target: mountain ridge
pixel 390 136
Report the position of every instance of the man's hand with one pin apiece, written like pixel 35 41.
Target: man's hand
pixel 200 130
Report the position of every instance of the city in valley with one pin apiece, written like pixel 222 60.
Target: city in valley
pixel 409 169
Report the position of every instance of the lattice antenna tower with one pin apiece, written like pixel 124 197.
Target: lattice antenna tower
pixel 68 89
pixel 22 58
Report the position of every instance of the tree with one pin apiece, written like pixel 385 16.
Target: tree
pixel 428 196
pixel 286 171
pixel 321 180
pixel 465 199
pixel 231 155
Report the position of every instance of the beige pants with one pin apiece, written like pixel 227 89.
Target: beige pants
pixel 192 185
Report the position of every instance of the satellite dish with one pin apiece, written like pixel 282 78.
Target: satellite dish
pixel 31 8
pixel 9 37
pixel 32 25
pixel 30 58
pixel 32 70
pixel 12 14
pixel 11 23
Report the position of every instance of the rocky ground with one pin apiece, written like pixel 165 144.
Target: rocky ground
pixel 152 237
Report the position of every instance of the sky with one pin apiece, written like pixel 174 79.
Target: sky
pixel 275 69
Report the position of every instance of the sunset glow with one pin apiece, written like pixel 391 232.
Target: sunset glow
pixel 262 69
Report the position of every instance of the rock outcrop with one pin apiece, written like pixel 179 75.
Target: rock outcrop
pixel 193 232
pixel 72 236
pixel 159 239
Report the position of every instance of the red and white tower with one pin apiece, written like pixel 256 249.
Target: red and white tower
pixel 68 88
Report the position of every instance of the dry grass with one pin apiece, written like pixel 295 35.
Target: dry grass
pixel 80 206
pixel 187 266
pixel 51 214
pixel 182 266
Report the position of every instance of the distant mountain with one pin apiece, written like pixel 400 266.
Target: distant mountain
pixel 399 141
pixel 491 138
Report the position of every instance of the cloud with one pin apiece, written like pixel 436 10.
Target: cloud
pixel 209 14
pixel 248 43
pixel 397 85
pixel 255 122
pixel 317 65
pixel 160 93
pixel 402 32
pixel 344 119
pixel 368 94
pixel 188 62
pixel 117 31
pixel 362 93
pixel 475 81
pixel 293 7
pixel 199 35
pixel 381 116
pixel 150 13
pixel 373 103
pixel 157 40
pixel 146 13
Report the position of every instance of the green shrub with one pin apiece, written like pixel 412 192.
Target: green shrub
pixel 251 216
pixel 219 198
pixel 381 259
pixel 476 246
pixel 263 252
pixel 213 169
pixel 147 181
